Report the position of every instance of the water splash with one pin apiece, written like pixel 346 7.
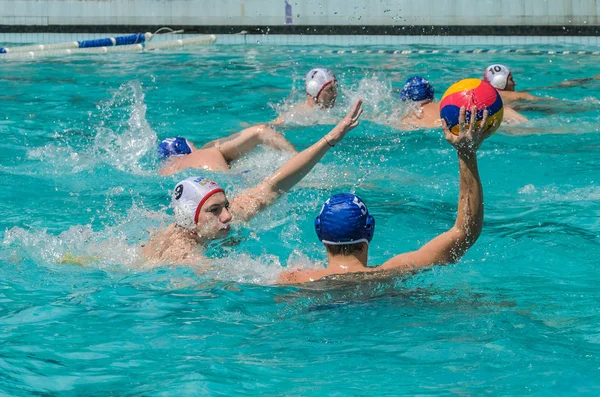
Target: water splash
pixel 375 91
pixel 119 136
pixel 81 245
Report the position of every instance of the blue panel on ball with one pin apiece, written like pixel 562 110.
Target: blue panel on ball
pixel 450 113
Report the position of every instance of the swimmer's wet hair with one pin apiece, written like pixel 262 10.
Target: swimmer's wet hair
pixel 346 249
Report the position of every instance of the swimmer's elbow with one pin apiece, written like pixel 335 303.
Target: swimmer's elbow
pixel 464 239
pixel 467 237
pixel 263 131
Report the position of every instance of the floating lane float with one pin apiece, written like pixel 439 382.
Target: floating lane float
pixel 131 43
pixel 441 52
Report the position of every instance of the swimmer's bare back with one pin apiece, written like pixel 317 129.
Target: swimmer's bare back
pixel 208 159
pixel 216 155
pixel 429 117
pixel 319 277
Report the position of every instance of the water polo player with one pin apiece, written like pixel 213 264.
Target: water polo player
pixel 422 111
pixel 218 154
pixel 502 79
pixel 321 88
pixel 203 212
pixel 346 228
pixel 321 93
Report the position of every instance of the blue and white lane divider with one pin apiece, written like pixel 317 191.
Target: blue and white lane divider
pixel 420 52
pixel 132 39
pixel 137 38
pixel 59 49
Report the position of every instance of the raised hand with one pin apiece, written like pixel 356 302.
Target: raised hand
pixel 346 125
pixel 470 136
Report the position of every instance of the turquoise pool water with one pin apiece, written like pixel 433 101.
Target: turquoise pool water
pixel 518 315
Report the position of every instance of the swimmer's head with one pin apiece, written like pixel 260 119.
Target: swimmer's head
pixel 344 221
pixel 417 89
pixel 321 86
pixel 200 206
pixel 500 77
pixel 174 147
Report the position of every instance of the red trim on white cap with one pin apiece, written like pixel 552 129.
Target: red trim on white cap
pixel 322 88
pixel 208 195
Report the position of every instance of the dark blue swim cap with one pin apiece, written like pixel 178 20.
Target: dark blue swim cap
pixel 174 147
pixel 417 89
pixel 343 220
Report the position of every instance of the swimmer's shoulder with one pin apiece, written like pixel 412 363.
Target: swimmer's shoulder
pixel 427 121
pixel 171 246
pixel 331 281
pixel 156 241
pixel 302 276
pixel 371 273
pixel 432 107
pixel 309 276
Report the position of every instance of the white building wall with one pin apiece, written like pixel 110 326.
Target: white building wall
pixel 304 12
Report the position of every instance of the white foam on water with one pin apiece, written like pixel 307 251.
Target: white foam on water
pixel 263 269
pixel 553 193
pixel 376 93
pixel 120 137
pixel 379 103
pixel 118 244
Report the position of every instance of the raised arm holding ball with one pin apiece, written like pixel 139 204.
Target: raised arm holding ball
pixel 346 228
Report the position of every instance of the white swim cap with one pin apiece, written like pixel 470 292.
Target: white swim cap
pixel 188 197
pixel 497 75
pixel 317 79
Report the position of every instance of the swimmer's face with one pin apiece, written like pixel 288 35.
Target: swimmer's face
pixel 214 218
pixel 328 95
pixel 510 83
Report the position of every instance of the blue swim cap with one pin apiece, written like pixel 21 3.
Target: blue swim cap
pixel 343 220
pixel 174 147
pixel 417 89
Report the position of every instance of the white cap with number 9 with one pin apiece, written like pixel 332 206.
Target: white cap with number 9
pixel 188 197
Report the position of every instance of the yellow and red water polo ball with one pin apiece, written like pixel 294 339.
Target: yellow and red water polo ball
pixel 469 93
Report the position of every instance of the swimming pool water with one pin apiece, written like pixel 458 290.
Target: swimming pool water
pixel 518 315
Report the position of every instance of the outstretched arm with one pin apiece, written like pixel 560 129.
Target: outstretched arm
pixel 252 201
pixel 577 82
pixel 235 146
pixel 450 246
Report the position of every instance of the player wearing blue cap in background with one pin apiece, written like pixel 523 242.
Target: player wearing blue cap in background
pixel 421 111
pixel 177 146
pixel 346 228
pixel 218 154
